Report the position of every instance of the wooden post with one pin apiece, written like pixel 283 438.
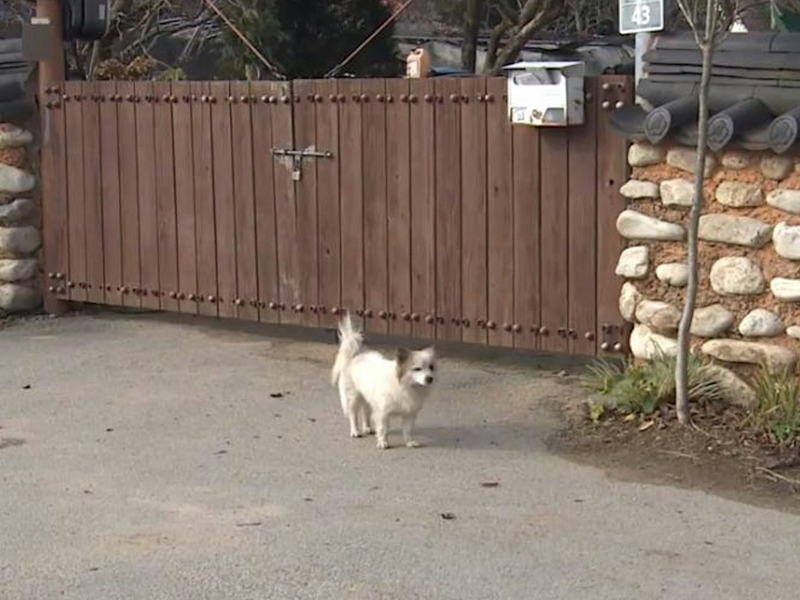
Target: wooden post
pixel 51 72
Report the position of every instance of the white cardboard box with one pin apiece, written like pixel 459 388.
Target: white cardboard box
pixel 546 94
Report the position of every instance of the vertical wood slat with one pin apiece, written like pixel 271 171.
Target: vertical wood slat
pixel 148 206
pixel 224 210
pixel 611 172
pixel 554 243
pixel 204 200
pixel 423 207
pixel 448 209
pixel 305 124
pixel 528 177
pixel 501 213
pixel 92 193
pixel 582 242
pixel 184 196
pixel 376 279
pixel 246 301
pixel 329 245
pixel 474 272
pixel 55 217
pixel 265 94
pixel 110 193
pixel 165 196
pixel 75 191
pixel 129 195
pixel 352 197
pixel 286 208
pixel 398 205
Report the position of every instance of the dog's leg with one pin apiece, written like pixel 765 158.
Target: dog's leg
pixel 350 404
pixel 352 415
pixel 382 430
pixel 408 427
pixel 366 423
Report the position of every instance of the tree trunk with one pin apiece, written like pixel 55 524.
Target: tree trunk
pixel 681 368
pixel 472 26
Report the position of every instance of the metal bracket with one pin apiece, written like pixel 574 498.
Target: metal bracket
pixel 297 157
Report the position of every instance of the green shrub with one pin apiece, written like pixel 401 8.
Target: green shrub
pixel 777 408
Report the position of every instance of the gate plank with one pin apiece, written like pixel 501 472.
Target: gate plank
pixel 184 196
pixel 148 207
pixel 501 215
pixel 110 192
pixel 474 234
pixel 398 205
pixel 204 199
pixel 286 208
pixel 246 302
pixel 423 207
pixel 92 193
pixel 582 228
pixel 55 220
pixel 330 272
pixel 224 211
pixel 527 235
pixel 75 190
pixel 165 197
pixel 554 263
pixel 266 232
pixel 376 280
pixel 352 198
pixel 129 195
pixel 448 208
pixel 305 124
pixel 611 172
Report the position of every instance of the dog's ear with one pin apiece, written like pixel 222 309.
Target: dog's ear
pixel 401 356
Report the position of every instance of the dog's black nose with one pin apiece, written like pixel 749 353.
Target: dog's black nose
pixel 428 379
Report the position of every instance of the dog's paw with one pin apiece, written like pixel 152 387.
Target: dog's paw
pixel 355 434
pixel 413 444
pixel 367 432
pixel 383 444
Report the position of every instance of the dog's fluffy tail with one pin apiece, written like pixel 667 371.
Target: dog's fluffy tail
pixel 350 340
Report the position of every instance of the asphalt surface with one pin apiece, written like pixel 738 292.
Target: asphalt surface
pixel 152 460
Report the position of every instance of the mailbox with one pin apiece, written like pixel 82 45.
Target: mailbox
pixel 546 94
pixel 85 19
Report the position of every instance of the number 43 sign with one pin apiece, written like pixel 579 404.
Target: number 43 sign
pixel 640 16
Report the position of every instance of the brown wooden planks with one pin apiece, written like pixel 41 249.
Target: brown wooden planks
pixel 75 190
pixel 165 197
pixel 329 257
pixel 92 193
pixel 352 196
pixel 448 208
pixel 286 208
pixel 148 206
pixel 582 229
pixel 184 196
pixel 527 236
pixel 55 220
pixel 376 280
pixel 398 205
pixel 246 302
pixel 129 195
pixel 204 199
pixel 501 215
pixel 265 95
pixel 305 131
pixel 473 221
pixel 224 212
pixel 611 173
pixel 423 207
pixel 110 192
pixel 554 240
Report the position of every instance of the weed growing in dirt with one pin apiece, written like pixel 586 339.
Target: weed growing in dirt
pixel 642 388
pixel 777 408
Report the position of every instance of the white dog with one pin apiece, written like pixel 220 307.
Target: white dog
pixel 374 387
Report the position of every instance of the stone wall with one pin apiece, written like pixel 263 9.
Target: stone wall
pixel 20 238
pixel 748 304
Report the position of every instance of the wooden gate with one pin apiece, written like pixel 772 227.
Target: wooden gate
pixel 413 204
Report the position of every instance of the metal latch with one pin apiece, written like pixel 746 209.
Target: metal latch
pixel 297 159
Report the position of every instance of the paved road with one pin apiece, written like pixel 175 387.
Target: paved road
pixel 149 461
